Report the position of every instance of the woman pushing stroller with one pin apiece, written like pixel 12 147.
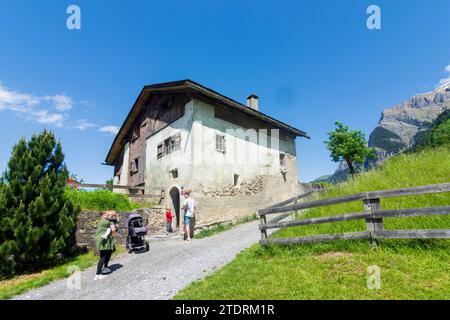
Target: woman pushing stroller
pixel 104 241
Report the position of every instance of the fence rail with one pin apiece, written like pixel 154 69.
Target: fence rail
pixel 372 214
pixel 109 186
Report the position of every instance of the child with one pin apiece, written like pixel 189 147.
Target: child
pixel 169 217
pixel 104 241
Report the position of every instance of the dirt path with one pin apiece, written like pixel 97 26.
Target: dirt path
pixel 168 267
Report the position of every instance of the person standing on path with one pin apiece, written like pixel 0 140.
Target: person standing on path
pixel 104 241
pixel 189 214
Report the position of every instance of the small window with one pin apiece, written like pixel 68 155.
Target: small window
pixel 220 143
pixel 159 151
pixel 135 135
pixel 174 173
pixel 134 165
pixel 282 159
pixel 169 145
pixel 164 107
pixel 236 180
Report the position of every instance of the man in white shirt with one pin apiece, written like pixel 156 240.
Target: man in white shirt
pixel 189 213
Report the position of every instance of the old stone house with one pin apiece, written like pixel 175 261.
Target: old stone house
pixel 181 135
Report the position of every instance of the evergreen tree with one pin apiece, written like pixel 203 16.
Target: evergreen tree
pixel 36 220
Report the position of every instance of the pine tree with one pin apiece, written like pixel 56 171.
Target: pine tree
pixel 36 220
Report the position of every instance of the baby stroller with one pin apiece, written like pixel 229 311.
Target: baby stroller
pixel 137 229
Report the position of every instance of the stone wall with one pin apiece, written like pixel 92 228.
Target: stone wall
pixel 87 224
pixel 234 202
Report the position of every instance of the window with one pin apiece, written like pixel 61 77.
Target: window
pixel 220 143
pixel 235 179
pixel 134 165
pixel 169 145
pixel 282 160
pixel 135 135
pixel 174 173
pixel 159 150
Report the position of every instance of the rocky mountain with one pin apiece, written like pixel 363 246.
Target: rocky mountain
pixel 401 126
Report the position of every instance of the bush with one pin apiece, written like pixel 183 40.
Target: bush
pixel 100 200
pixel 36 220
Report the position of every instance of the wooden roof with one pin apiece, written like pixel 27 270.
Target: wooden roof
pixel 187 86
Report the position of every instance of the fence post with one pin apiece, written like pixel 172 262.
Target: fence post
pixel 296 211
pixel 373 224
pixel 262 220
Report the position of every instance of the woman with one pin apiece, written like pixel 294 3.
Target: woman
pixel 104 241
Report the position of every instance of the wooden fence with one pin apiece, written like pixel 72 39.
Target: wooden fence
pixel 372 214
pixel 129 188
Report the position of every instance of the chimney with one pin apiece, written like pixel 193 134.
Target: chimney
pixel 252 101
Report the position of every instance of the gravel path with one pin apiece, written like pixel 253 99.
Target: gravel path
pixel 169 266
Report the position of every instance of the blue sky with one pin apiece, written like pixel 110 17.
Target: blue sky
pixel 310 62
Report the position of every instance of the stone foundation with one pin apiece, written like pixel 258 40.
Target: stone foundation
pixel 234 202
pixel 87 224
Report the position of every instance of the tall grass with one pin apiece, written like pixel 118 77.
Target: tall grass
pixel 101 200
pixel 407 170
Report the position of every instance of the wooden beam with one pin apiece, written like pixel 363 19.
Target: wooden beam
pixel 313 204
pixel 437 188
pixel 413 234
pixel 433 188
pixel 104 186
pixel 416 212
pixel 309 221
pixel 317 238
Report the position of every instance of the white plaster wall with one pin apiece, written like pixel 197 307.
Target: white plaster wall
pixel 124 170
pixel 201 166
pixel 213 169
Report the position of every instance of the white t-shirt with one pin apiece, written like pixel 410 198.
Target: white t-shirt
pixel 189 203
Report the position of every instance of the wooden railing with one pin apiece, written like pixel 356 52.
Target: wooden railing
pixel 372 214
pixel 109 186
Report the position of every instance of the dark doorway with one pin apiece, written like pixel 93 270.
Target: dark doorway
pixel 175 196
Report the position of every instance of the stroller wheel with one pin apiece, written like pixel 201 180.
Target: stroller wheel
pixel 147 246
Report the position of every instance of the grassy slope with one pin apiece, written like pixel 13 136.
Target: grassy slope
pixel 410 269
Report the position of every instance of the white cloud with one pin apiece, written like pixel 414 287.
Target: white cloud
pixel 109 129
pixel 61 102
pixel 84 124
pixel 35 108
pixel 45 117
pixel 47 109
pixel 445 81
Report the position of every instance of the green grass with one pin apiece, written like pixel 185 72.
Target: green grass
pixel 410 269
pixel 103 200
pixel 324 272
pixel 23 283
pixel 224 226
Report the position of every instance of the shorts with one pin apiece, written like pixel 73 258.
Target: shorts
pixel 187 220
